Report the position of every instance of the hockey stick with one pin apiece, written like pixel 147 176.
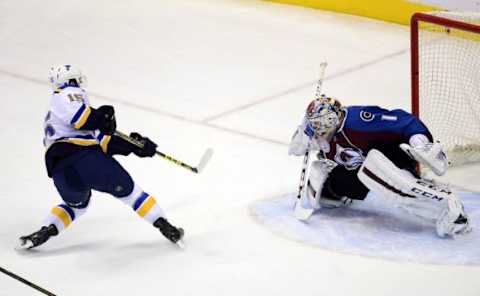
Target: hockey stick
pixel 318 90
pixel 302 213
pixel 26 282
pixel 198 169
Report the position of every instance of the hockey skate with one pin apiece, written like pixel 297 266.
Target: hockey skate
pixel 171 232
pixel 453 220
pixel 38 238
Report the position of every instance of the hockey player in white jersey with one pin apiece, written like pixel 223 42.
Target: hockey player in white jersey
pixel 368 148
pixel 80 142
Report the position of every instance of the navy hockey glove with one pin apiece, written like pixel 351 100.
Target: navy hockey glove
pixel 149 147
pixel 108 123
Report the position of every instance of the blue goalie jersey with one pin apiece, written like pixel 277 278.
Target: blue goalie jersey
pixel 372 127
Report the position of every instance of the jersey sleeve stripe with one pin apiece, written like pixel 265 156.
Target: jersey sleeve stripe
pixel 80 142
pixel 104 143
pixel 104 140
pixel 81 116
pixel 78 114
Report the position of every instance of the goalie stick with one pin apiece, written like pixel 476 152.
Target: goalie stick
pixel 198 169
pixel 300 212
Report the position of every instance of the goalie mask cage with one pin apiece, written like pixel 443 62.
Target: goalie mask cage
pixel 445 57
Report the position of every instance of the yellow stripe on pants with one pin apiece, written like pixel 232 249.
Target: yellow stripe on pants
pixel 62 215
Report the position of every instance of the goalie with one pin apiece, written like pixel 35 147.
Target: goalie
pixel 368 148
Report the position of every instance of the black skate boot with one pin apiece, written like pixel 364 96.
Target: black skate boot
pixel 171 232
pixel 37 238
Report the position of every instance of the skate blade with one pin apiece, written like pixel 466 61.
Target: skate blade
pixel 181 244
pixel 23 245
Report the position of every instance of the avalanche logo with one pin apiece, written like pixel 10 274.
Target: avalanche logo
pixel 366 116
pixel 350 158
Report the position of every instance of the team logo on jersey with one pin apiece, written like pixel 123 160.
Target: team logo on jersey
pixel 350 158
pixel 366 116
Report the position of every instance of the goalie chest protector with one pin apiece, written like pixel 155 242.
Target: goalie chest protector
pixel 372 127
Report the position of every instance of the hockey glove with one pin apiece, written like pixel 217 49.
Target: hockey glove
pixel 431 155
pixel 149 147
pixel 299 143
pixel 108 123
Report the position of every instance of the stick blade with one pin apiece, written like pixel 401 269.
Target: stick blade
pixel 204 160
pixel 301 213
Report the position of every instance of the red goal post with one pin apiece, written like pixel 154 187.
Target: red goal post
pixel 445 65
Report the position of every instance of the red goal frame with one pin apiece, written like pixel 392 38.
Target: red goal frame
pixel 428 18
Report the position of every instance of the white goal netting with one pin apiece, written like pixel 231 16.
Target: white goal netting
pixel 449 83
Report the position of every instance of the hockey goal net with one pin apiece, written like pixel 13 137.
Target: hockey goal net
pixel 445 53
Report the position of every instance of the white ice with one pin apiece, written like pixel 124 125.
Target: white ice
pixel 232 75
pixel 374 228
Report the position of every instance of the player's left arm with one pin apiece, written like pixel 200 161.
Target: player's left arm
pixel 419 144
pixel 89 118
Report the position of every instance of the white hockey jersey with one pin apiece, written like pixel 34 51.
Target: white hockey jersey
pixel 68 111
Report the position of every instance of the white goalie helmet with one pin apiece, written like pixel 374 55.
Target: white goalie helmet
pixel 323 117
pixel 60 76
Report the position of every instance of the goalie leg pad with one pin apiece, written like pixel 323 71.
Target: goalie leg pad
pixel 453 220
pixel 400 188
pixel 318 195
pixel 420 197
pixel 319 171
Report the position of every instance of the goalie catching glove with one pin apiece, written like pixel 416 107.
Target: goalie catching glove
pixel 427 153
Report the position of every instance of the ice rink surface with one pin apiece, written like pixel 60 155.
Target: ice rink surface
pixel 232 75
pixel 375 229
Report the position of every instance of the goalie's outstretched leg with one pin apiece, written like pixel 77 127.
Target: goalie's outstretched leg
pixel 424 198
